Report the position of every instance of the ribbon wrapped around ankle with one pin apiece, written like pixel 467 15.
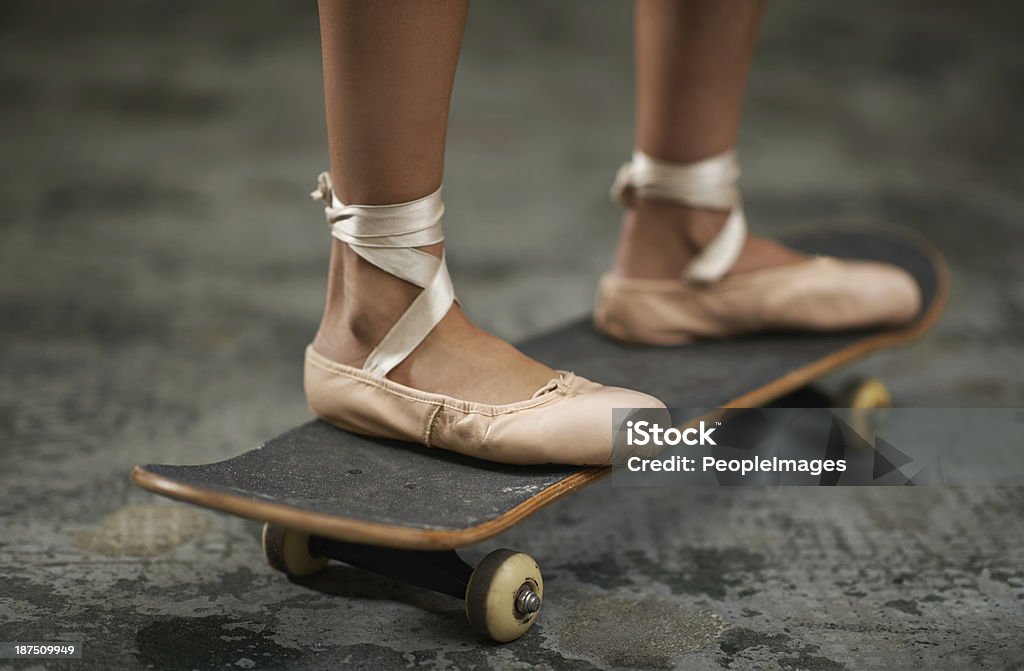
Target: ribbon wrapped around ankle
pixel 386 236
pixel 710 183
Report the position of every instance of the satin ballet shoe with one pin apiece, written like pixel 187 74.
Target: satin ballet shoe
pixel 568 421
pixel 817 294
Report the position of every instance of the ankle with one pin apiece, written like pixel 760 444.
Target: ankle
pixel 660 238
pixel 695 226
pixel 363 303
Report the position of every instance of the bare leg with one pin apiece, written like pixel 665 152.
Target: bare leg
pixel 692 59
pixel 388 72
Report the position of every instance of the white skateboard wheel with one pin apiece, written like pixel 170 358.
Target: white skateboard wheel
pixel 504 595
pixel 287 550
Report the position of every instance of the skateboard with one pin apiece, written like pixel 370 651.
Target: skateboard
pixel 403 510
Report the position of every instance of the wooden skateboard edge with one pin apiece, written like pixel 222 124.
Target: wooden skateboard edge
pixel 410 538
pixel 360 531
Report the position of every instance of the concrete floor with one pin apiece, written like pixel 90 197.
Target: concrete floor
pixel 161 270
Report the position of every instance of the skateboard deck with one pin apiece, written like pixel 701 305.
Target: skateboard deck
pixel 354 489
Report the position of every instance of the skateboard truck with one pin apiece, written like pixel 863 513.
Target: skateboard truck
pixel 503 594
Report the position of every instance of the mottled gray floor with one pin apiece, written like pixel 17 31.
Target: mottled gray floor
pixel 161 270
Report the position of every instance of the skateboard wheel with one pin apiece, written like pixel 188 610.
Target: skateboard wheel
pixel 504 595
pixel 864 393
pixel 862 396
pixel 287 550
